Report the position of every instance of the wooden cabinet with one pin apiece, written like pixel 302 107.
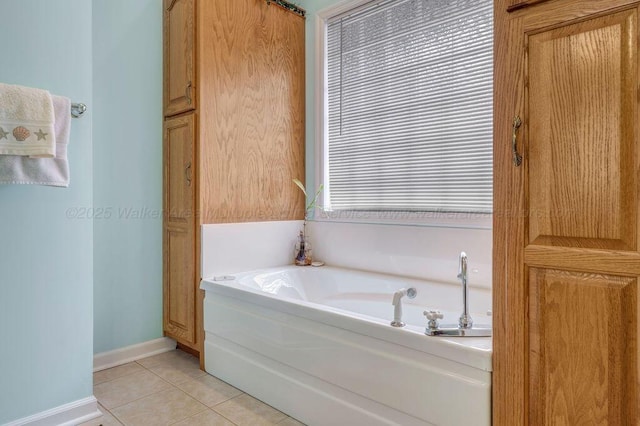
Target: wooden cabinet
pixel 231 156
pixel 179 229
pixel 566 220
pixel 179 56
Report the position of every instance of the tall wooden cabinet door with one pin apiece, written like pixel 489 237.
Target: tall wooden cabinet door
pixel 179 56
pixel 179 277
pixel 179 230
pixel 566 277
pixel 179 164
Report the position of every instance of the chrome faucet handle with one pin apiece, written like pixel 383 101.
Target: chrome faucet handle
pixel 433 317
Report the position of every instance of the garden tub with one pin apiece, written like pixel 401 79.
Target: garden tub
pixel 316 343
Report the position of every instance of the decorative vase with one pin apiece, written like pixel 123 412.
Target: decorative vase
pixel 302 253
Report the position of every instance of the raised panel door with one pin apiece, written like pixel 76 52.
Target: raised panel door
pixel 580 112
pixel 179 56
pixel 582 348
pixel 179 184
pixel 179 277
pixel 566 219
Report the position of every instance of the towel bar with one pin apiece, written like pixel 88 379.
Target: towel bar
pixel 77 110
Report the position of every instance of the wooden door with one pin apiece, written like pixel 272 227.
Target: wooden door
pixel 179 230
pixel 566 219
pixel 179 56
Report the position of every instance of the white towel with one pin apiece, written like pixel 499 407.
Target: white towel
pixel 26 122
pixel 43 171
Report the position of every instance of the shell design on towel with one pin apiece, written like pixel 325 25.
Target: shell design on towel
pixel 21 133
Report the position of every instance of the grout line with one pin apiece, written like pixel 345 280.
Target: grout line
pixel 222 415
pixel 193 415
pixel 225 417
pixel 115 378
pixel 105 409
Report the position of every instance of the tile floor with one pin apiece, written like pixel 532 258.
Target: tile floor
pixel 170 389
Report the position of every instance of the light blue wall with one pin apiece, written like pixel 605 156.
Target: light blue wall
pixel 127 52
pixel 46 262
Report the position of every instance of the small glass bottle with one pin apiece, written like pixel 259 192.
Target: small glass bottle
pixel 302 254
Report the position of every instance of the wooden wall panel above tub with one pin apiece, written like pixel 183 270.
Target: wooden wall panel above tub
pixel 252 137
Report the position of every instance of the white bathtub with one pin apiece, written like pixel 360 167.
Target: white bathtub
pixel 316 343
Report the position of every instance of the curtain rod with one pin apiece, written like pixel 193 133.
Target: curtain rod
pixel 289 6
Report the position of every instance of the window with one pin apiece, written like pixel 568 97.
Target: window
pixel 408 107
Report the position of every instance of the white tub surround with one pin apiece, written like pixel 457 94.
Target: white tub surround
pixel 235 247
pixel 423 252
pixel 317 344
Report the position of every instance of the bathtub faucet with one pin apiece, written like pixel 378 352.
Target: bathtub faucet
pixel 397 304
pixel 465 327
pixel 465 321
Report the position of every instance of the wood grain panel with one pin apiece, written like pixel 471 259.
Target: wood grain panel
pixel 509 297
pixel 179 276
pixel 538 307
pixel 581 150
pixel 252 123
pixel 180 281
pixel 583 348
pixel 179 56
pixel 554 13
pixel 588 260
pixel 514 5
pixel 179 134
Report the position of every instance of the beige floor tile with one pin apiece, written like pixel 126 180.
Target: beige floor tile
pixel 206 418
pixel 177 373
pixel 209 390
pixel 125 389
pixel 174 366
pixel 245 410
pixel 162 408
pixel 116 372
pixel 171 357
pixel 106 420
pixel 290 421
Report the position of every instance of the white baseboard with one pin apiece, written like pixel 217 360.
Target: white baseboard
pixel 109 359
pixel 70 414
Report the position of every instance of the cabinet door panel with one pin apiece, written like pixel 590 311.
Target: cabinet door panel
pixel 566 258
pixel 179 56
pixel 179 277
pixel 179 168
pixel 179 230
pixel 581 133
pixel 583 344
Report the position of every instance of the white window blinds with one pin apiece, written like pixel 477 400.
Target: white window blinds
pixel 410 106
